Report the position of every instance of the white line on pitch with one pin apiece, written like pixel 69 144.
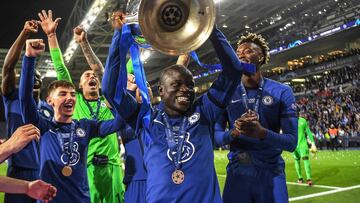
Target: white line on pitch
pixel 324 193
pixel 319 186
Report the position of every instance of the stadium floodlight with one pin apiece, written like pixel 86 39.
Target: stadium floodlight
pixel 88 20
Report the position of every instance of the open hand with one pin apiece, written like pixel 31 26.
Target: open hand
pixel 47 24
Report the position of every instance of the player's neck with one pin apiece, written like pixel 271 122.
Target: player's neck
pixel 62 118
pixel 251 81
pixel 91 95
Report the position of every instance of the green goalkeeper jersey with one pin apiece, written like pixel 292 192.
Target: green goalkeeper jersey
pixel 303 130
pixel 102 146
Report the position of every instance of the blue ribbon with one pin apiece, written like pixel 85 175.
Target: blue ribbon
pixel 128 43
pixel 247 67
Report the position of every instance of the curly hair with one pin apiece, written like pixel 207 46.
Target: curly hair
pixel 258 40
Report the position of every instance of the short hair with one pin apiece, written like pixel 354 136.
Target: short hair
pixel 176 67
pixel 258 40
pixel 59 83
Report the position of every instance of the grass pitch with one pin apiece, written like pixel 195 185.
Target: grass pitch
pixel 336 177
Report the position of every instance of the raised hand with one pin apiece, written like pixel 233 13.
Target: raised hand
pixel 47 24
pixel 22 136
pixel 80 34
pixel 34 47
pixel 131 85
pixel 117 20
pixel 31 26
pixel 40 190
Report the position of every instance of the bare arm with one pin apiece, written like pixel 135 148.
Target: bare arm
pixel 95 64
pixel 37 189
pixel 8 72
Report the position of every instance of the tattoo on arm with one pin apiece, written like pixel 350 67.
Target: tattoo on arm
pixel 93 61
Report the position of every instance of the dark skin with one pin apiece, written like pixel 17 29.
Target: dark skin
pixel 249 124
pixel 8 84
pixel 177 91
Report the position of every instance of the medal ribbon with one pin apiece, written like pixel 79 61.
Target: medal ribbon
pixel 93 114
pixel 71 141
pixel 175 149
pixel 258 96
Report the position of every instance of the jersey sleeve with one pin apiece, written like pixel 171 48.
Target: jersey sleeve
pixel 289 124
pixel 117 95
pixel 222 136
pixel 28 106
pixel 218 96
pixel 59 65
pixel 107 127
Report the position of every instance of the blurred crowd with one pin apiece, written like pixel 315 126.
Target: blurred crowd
pixel 333 79
pixel 334 117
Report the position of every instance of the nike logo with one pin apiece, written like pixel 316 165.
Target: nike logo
pixel 156 121
pixel 235 101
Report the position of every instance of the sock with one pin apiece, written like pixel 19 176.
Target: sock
pixel 298 168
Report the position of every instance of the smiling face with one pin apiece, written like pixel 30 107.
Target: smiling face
pixel 177 90
pixel 89 83
pixel 62 98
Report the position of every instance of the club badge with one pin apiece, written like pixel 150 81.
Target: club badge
pixel 46 113
pixel 194 118
pixel 103 104
pixel 267 100
pixel 80 132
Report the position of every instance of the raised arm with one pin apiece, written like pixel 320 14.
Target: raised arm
pixel 95 64
pixel 8 72
pixel 220 93
pixel 121 100
pixel 49 27
pixel 34 48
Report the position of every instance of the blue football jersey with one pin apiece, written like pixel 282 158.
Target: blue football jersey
pixel 197 158
pixel 134 161
pixel 56 149
pixel 277 111
pixel 28 157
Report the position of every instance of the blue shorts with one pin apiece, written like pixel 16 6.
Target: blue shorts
pixel 135 192
pixel 23 174
pixel 255 185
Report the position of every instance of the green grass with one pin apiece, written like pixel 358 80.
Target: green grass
pixel 337 169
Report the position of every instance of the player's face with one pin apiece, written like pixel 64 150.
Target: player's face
pixel 89 81
pixel 250 53
pixel 177 92
pixel 63 101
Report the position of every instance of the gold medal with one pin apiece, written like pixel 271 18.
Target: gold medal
pixel 178 177
pixel 66 171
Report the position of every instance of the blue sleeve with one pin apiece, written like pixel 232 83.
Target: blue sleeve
pixel 28 106
pixel 289 124
pixel 222 136
pixel 220 93
pixel 107 127
pixel 117 95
